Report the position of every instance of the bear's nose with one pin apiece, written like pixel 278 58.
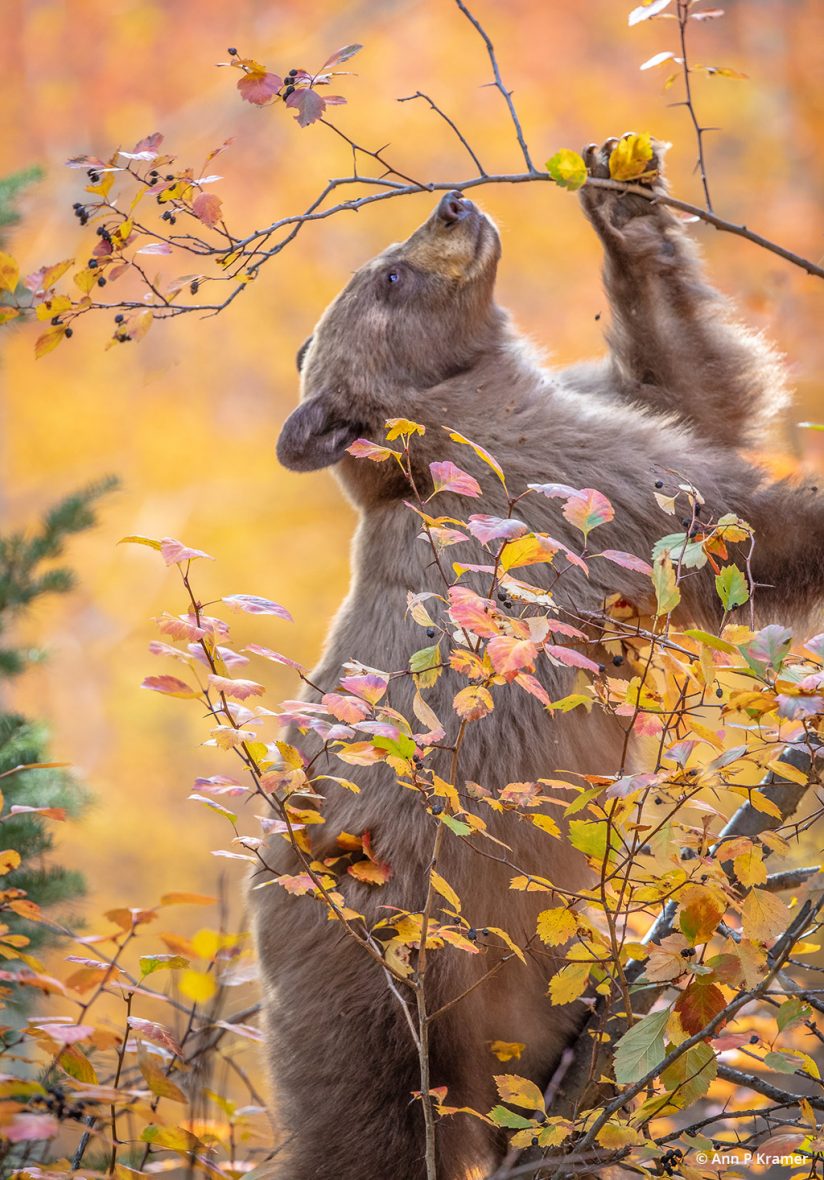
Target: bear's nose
pixel 453 208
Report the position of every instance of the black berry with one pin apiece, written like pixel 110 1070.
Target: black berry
pixel 659 483
pixel 194 286
pixel 291 74
pixel 55 320
pixel 602 667
pixel 69 332
pixel 92 263
pixel 430 631
pixel 101 282
pixel 289 90
pixel 719 692
pixel 472 935
pixel 754 1039
pixel 169 176
pixel 232 51
pixel 167 216
pixel 119 318
pixel 617 661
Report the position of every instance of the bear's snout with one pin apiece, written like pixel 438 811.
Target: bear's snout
pixel 454 208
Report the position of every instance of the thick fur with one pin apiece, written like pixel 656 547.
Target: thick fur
pixel 683 385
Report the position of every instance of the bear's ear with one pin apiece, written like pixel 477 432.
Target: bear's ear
pixel 302 351
pixel 313 436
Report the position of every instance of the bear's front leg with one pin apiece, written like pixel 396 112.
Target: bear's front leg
pixel 675 346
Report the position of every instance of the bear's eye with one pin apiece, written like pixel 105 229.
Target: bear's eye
pixel 393 276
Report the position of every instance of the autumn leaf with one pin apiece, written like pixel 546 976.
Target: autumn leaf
pixel 9 860
pixel 630 157
pixel 259 86
pixel 9 273
pixel 507 1050
pixel 362 448
pixel 647 10
pixel 569 983
pixel 309 105
pixel 207 207
pixel 473 702
pixel 236 690
pixel 556 926
pixel 446 477
pixel 340 56
pixel 445 889
pixel 253 604
pixel 667 594
pixel 174 551
pixel 567 169
pixel 170 686
pixel 518 1091
pixel 764 915
pixel 699 1005
pixel 198 986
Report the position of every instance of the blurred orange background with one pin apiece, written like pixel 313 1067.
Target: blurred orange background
pixel 188 418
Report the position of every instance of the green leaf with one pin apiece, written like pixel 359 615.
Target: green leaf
pixel 712 641
pixel 732 587
pixel 589 836
pixel 690 1076
pixel 456 825
pixel 567 169
pixel 790 1013
pixel 425 663
pixel 152 963
pixel 502 1117
pixel 402 746
pixel 641 1048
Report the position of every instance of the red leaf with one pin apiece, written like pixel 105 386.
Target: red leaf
pixel 170 686
pixel 207 207
pixel 627 560
pixel 698 1005
pixel 510 655
pixel 259 87
pixel 571 657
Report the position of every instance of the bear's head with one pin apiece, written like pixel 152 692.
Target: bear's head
pixel 418 314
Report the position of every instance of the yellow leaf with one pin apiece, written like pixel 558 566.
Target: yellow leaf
pixel 399 426
pixel 10 859
pixel 49 340
pixel 473 702
pixel 507 1050
pixel 761 803
pixel 667 594
pixel 785 770
pixel 764 916
pixel 8 313
pixel 569 983
pixel 197 985
pixel 206 944
pixel 528 550
pixel 750 868
pixel 547 824
pixel 614 1135
pixel 630 157
pixel 445 889
pixel 513 946
pixel 557 926
pixel 9 272
pixel 51 307
pixel 518 1091
pixel 567 169
pixel 157 1081
pixel 86 279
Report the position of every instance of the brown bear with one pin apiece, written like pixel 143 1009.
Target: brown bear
pixel 417 334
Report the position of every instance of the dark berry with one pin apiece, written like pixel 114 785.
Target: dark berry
pixel 101 282
pixel 687 952
pixel 534 1140
pixel 119 318
pixel 172 220
pixel 507 605
pixel 502 596
pixel 55 320
pixel 169 176
pixel 617 661
pixel 92 263
pixel 719 692
pixel 430 632
pixel 167 216
pixel 658 800
pixel 597 316
pixel 602 667
pixel 291 74
pixel 94 177
pixel 686 522
pixel 232 51
pixel 289 90
pixel 659 483
pixel 754 1039
pixel 77 205
pixel 100 231
pixel 437 807
pixel 472 935
pixel 69 332
pixel 485 930
pixel 194 286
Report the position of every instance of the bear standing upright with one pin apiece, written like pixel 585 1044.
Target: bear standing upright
pixel 417 334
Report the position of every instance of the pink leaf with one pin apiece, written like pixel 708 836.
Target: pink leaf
pixel 345 708
pixel 155 248
pixel 259 87
pixel 496 528
pixel 49 812
pixel 309 105
pixel 449 478
pixel 175 551
pixel 274 656
pixel 533 686
pixel 341 56
pixel 362 448
pixel 27 1127
pixel 369 686
pixel 472 613
pixel 570 657
pixel 236 690
pixel 628 560
pixel 253 604
pixel 585 508
pixel 169 686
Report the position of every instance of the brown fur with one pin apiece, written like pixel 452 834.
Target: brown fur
pixel 682 384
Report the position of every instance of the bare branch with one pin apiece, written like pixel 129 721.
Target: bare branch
pixel 419 94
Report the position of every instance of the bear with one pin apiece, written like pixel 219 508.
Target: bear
pixel 417 334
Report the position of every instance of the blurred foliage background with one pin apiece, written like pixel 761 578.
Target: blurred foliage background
pixel 188 418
